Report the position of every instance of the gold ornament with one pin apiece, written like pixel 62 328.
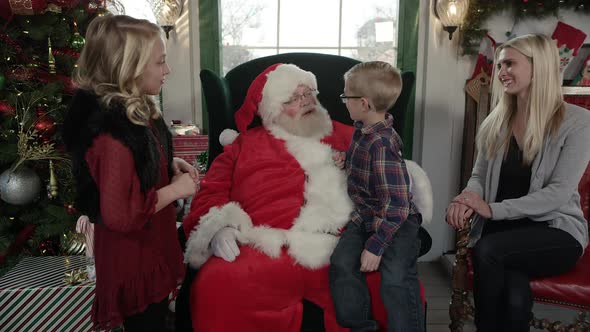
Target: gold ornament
pixel 52 181
pixel 73 244
pixel 50 58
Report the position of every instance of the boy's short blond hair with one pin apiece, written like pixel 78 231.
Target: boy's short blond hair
pixel 377 81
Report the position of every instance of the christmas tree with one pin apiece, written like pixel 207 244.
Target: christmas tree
pixel 40 41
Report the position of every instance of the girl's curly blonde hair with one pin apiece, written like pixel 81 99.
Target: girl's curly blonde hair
pixel 114 57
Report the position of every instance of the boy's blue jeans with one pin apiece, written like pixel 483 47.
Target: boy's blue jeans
pixel 400 289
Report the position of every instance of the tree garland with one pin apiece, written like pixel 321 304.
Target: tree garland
pixel 481 10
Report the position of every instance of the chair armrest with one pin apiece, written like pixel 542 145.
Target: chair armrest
pixel 460 308
pixel 460 267
pixel 218 108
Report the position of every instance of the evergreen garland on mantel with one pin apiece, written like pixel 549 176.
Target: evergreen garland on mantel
pixel 480 10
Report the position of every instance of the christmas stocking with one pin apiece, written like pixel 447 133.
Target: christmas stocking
pixel 584 78
pixel 483 67
pixel 569 40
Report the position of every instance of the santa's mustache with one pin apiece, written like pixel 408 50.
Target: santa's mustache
pixel 311 109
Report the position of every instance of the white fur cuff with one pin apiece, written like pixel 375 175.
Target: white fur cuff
pixel 421 190
pixel 197 245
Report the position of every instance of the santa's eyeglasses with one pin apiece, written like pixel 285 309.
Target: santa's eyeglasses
pixel 298 98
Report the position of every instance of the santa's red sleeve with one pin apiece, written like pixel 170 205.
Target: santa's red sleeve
pixel 214 188
pixel 212 209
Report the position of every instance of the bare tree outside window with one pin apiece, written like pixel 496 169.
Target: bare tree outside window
pixel 237 17
pixel 364 30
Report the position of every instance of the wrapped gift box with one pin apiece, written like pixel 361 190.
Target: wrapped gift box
pixel 190 147
pixel 35 297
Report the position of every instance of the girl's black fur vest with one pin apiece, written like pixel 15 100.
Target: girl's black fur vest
pixel 87 118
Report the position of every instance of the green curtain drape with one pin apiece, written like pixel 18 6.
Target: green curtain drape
pixel 407 59
pixel 209 42
pixel 210 50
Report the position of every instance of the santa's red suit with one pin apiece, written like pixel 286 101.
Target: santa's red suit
pixel 289 202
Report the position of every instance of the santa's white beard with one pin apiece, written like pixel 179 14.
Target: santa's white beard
pixel 316 124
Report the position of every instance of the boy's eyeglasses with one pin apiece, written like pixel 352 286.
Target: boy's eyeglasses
pixel 344 97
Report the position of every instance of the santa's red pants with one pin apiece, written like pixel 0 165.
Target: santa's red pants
pixel 258 293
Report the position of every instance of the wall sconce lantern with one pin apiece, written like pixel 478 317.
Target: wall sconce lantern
pixel 167 12
pixel 451 14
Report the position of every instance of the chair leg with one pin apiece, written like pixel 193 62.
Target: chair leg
pixel 460 309
pixel 582 322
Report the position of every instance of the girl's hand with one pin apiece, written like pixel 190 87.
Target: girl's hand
pixel 180 166
pixel 184 185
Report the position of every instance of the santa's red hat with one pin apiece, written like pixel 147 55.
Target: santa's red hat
pixel 269 90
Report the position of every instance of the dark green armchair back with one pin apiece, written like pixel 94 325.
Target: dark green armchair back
pixel 224 95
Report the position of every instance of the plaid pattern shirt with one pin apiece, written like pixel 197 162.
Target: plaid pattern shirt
pixel 378 183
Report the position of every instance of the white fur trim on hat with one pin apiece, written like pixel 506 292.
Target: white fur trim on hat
pixel 228 136
pixel 421 190
pixel 279 87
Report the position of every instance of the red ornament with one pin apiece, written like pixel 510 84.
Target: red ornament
pixel 65 3
pixel 66 51
pixel 31 7
pixel 6 109
pixel 17 7
pixel 70 209
pixel 40 111
pixel 46 127
pixel 21 74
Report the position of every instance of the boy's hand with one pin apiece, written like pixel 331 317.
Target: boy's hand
pixel 369 261
pixel 339 157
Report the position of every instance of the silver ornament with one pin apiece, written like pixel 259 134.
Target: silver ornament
pixel 19 187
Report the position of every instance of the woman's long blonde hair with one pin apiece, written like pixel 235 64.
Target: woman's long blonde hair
pixel 544 106
pixel 115 55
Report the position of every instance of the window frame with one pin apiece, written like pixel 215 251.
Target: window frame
pixel 407 50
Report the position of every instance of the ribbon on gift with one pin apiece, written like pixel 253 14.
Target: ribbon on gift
pixel 84 226
pixel 75 277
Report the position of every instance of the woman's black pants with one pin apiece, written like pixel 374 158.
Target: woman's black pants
pixel 504 259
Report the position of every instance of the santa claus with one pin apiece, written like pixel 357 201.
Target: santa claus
pixel 267 216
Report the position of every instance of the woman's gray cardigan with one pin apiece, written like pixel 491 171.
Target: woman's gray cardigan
pixel 555 173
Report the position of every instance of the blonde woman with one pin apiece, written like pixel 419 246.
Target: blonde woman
pixel 533 149
pixel 122 163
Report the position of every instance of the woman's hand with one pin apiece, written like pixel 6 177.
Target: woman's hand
pixel 474 202
pixel 457 215
pixel 180 166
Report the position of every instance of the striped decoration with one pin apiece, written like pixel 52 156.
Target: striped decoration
pixel 34 296
pixel 189 147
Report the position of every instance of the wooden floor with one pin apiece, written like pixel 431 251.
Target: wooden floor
pixel 437 284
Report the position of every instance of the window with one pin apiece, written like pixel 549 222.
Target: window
pixel 134 8
pixel 364 30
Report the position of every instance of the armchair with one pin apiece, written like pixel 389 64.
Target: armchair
pixel 570 290
pixel 224 95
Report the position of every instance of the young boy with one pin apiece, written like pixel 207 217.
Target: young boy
pixel 382 232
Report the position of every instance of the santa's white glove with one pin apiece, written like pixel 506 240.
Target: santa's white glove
pixel 225 244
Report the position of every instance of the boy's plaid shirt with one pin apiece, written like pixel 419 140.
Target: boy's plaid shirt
pixel 378 183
